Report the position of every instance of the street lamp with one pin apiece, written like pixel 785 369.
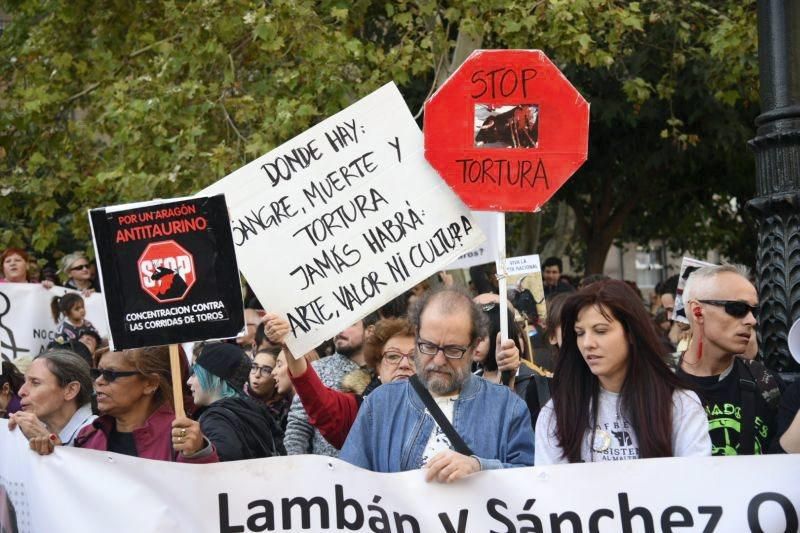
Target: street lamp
pixel 777 206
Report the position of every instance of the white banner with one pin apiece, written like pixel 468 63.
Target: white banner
pixel 84 490
pixel 344 217
pixel 26 322
pixel 486 252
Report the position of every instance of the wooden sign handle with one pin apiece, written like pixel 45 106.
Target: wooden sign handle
pixel 177 385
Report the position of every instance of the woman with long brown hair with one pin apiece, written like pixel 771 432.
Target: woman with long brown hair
pixel 613 395
pixel 134 396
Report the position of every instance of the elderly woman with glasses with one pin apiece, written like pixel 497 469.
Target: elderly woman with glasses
pixel 238 426
pixel 134 397
pixel 388 352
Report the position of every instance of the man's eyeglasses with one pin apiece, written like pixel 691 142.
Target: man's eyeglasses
pixel 262 371
pixel 393 357
pixel 79 267
pixel 735 308
pixel 111 375
pixel 451 351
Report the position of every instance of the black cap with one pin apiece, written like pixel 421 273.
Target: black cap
pixel 226 361
pixel 90 332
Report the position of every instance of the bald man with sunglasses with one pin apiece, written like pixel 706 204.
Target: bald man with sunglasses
pixel 740 396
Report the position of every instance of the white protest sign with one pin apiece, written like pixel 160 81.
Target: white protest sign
pixel 524 264
pixel 344 217
pixel 525 273
pixel 688 265
pixel 486 252
pixel 314 493
pixel 26 322
pixel 793 340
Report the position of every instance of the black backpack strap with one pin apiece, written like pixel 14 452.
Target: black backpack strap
pixel 437 414
pixel 749 389
pixel 769 384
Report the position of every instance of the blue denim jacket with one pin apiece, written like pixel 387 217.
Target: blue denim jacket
pixel 393 427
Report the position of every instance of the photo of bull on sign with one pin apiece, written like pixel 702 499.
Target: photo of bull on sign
pixel 170 283
pixel 507 126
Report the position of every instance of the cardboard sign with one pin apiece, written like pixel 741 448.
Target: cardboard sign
pixel 688 265
pixel 344 217
pixel 506 130
pixel 525 264
pixel 168 270
pixel 524 273
pixel 486 252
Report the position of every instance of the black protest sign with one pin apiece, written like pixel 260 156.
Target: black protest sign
pixel 168 271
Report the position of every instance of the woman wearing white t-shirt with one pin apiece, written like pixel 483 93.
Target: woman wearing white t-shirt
pixel 613 396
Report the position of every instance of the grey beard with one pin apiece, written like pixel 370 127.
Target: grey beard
pixel 437 387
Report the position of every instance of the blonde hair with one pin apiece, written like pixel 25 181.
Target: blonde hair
pixel 700 279
pixel 68 260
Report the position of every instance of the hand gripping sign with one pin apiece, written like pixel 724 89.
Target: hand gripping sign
pixel 506 130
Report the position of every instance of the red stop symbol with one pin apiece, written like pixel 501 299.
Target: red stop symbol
pixel 166 271
pixel 506 130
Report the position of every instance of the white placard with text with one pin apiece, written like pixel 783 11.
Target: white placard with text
pixel 344 217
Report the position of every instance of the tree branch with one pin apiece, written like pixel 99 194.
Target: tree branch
pixel 230 122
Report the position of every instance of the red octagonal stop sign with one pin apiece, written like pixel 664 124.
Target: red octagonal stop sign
pixel 166 271
pixel 506 130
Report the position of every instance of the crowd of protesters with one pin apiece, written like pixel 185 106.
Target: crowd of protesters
pixel 426 381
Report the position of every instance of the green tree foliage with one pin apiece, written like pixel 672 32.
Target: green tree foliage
pixel 107 102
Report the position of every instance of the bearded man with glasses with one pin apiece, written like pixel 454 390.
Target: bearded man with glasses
pixel 740 396
pixel 395 431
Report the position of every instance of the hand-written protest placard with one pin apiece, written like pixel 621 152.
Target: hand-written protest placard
pixel 169 271
pixel 341 219
pixel 506 130
pixel 486 252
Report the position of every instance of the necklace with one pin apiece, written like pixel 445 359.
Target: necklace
pixel 600 439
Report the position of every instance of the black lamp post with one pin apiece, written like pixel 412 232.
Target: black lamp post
pixel 777 151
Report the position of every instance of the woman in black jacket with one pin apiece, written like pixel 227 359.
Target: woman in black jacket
pixel 239 427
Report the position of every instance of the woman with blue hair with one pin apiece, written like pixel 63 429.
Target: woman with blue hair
pixel 239 427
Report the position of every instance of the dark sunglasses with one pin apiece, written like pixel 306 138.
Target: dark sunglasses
pixel 79 267
pixel 110 375
pixel 735 308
